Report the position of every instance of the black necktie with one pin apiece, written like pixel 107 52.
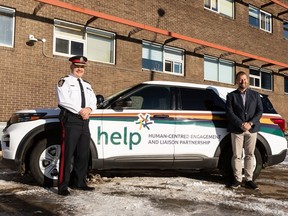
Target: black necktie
pixel 82 94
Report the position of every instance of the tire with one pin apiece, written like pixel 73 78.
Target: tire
pixel 225 165
pixel 44 161
pixel 259 164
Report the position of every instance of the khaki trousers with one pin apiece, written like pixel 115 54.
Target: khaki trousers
pixel 247 141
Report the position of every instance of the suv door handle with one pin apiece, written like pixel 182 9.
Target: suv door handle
pixel 161 116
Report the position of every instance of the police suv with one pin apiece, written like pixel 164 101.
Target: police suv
pixel 153 125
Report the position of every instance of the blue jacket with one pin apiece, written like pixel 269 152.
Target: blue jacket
pixel 237 113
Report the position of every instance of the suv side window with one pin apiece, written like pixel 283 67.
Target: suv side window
pixel 200 99
pixel 151 97
pixel 267 105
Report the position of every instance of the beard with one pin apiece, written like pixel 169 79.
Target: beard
pixel 242 86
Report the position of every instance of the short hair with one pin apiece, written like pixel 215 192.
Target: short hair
pixel 240 73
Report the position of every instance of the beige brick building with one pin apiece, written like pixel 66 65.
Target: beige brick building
pixel 129 41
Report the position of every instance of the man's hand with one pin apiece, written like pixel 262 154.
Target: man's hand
pixel 85 112
pixel 246 126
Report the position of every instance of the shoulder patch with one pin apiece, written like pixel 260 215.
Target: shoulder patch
pixel 61 82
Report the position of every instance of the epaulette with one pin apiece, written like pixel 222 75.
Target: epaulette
pixel 63 77
pixel 86 81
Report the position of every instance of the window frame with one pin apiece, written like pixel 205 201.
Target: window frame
pixel 260 77
pixel 255 78
pixel 259 19
pixel 218 61
pixel 70 26
pixel 103 34
pixel 164 57
pixel 12 12
pixel 208 5
pixel 264 71
pixel 174 61
pixel 76 38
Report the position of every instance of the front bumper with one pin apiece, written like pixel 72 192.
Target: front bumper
pixel 276 159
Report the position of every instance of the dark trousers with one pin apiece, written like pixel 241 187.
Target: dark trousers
pixel 75 145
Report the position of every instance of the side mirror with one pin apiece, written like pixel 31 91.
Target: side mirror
pixel 100 100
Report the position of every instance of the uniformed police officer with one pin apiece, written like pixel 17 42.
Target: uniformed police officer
pixel 76 100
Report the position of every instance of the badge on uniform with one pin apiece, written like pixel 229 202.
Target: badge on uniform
pixel 61 82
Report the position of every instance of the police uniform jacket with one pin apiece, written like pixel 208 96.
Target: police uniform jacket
pixel 69 94
pixel 237 113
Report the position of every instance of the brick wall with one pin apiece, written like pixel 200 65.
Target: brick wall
pixel 29 76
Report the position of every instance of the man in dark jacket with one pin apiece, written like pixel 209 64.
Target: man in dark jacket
pixel 244 110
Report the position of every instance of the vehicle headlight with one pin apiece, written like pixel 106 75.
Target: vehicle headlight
pixel 24 117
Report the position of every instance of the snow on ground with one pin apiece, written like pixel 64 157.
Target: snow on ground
pixel 171 196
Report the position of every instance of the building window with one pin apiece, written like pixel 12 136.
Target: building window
pixel 71 39
pixel 7 22
pixel 260 78
pixel 285 29
pixel 286 84
pixel 156 57
pixel 100 45
pixel 225 7
pixel 260 19
pixel 218 70
pixel 173 60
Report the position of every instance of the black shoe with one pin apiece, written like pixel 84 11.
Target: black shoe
pixel 251 185
pixel 236 184
pixel 64 192
pixel 84 188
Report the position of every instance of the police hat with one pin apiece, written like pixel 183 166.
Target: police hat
pixel 78 60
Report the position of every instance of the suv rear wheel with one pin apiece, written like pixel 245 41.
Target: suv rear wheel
pixel 226 167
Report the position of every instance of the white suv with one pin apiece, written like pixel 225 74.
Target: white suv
pixel 153 125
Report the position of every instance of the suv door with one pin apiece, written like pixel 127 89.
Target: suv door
pixel 200 120
pixel 136 128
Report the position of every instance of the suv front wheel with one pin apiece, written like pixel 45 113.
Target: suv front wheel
pixel 44 161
